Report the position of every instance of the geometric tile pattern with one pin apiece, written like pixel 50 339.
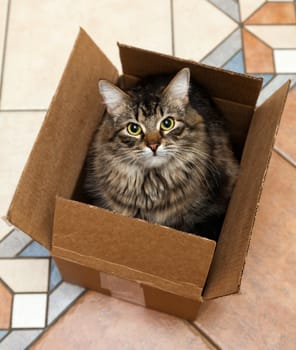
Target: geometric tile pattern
pixel 249 36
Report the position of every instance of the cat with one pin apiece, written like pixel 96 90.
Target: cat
pixel 162 153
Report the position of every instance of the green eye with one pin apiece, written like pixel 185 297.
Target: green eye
pixel 167 124
pixel 134 129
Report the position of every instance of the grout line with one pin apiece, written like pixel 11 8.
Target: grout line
pixel 4 48
pixel 232 58
pixel 48 327
pixel 285 156
pixel 205 337
pixel 25 247
pixel 225 13
pixel 218 45
pixel 48 291
pixel 8 332
pixel 251 14
pixel 7 235
pixel 172 26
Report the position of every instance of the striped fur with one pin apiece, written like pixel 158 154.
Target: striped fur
pixel 186 184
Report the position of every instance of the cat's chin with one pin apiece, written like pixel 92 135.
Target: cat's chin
pixel 154 161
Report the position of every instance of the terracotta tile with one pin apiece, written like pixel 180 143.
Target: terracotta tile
pixel 5 306
pixel 274 13
pixel 263 315
pixel 258 56
pixel 196 35
pixel 286 139
pixel 97 321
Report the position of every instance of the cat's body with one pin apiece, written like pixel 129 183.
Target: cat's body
pixel 162 154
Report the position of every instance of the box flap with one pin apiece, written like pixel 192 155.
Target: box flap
pixel 59 152
pixel 132 249
pixel 219 83
pixel 229 259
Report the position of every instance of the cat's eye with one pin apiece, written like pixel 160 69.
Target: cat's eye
pixel 167 124
pixel 134 129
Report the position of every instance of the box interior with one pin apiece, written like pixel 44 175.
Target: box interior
pixel 58 157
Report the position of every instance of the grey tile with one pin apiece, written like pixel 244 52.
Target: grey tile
pixel 3 333
pixel 61 298
pixel 230 7
pixel 19 339
pixel 55 276
pixel 236 63
pixel 35 250
pixel 222 53
pixel 274 84
pixel 13 244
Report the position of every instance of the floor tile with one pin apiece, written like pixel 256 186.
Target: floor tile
pixel 258 56
pixel 19 339
pixel 285 61
pixel 13 244
pixel 3 15
pixel 35 249
pixel 55 276
pixel 3 333
pixel 18 131
pixel 40 41
pixel 274 13
pixel 276 36
pixel 5 228
pixel 97 321
pixel 24 274
pixel 263 315
pixel 230 7
pixel 196 35
pixel 286 140
pixel 29 310
pixel 5 306
pixel 266 78
pixel 61 298
pixel 247 7
pixel 224 51
pixel 274 84
pixel 236 63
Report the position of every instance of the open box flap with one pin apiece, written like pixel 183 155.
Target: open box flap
pixel 59 152
pixel 130 248
pixel 232 247
pixel 220 83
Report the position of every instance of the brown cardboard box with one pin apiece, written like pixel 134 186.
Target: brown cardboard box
pixel 148 264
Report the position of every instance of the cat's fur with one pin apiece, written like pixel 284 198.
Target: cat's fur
pixel 182 178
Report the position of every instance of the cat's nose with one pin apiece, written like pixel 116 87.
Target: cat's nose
pixel 153 146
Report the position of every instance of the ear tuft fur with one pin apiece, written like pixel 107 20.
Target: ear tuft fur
pixel 113 97
pixel 178 87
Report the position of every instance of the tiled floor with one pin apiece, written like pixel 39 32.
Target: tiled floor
pixel 250 36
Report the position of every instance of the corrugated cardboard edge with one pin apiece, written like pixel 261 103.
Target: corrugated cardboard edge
pixel 32 206
pixel 227 269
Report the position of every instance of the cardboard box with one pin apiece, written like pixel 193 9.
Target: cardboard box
pixel 144 263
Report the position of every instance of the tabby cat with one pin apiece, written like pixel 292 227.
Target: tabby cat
pixel 162 154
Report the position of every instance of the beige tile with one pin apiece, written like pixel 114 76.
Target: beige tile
pixel 198 28
pixel 3 13
pixel 25 275
pixel 276 36
pixel 18 131
pixel 247 7
pixel 41 35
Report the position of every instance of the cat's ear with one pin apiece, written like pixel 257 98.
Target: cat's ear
pixel 114 98
pixel 178 88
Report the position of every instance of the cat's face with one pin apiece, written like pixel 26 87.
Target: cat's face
pixel 148 126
